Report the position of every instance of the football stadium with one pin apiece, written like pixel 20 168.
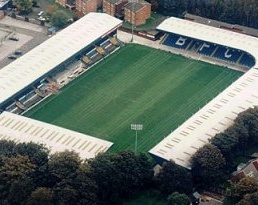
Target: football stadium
pixel 94 84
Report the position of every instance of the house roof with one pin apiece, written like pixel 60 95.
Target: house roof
pixel 136 5
pixel 250 169
pixel 51 53
pixel 22 129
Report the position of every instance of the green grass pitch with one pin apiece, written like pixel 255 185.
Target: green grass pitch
pixel 136 84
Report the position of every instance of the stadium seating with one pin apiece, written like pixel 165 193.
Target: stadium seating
pixel 247 60
pixel 219 52
pixel 206 48
pixel 227 54
pixel 177 41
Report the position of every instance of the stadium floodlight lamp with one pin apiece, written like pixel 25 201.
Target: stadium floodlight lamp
pixel 136 127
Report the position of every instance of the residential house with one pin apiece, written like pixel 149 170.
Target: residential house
pixel 137 13
pixel 250 169
pixel 114 7
pixel 84 7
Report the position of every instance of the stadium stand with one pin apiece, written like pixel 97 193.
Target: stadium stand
pixel 227 54
pixel 176 41
pixel 207 49
pixel 218 114
pixel 219 43
pixel 247 60
pixel 22 129
pixel 31 77
pixel 213 118
pixel 19 77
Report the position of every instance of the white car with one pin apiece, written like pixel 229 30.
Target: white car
pixel 40 13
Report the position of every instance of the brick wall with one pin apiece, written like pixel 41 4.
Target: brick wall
pixel 86 6
pixel 109 8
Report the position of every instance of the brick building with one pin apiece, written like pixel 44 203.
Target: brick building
pixel 137 13
pixel 84 7
pixel 114 7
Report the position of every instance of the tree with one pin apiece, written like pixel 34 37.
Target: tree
pixel 40 196
pixel 120 175
pixel 59 18
pixel 249 199
pixel 173 178
pixel 178 199
pixel 20 190
pixel 225 143
pixel 86 186
pixel 7 148
pixel 249 120
pixel 15 172
pixel 208 166
pixel 38 155
pixel 246 185
pixel 63 166
pixel 23 5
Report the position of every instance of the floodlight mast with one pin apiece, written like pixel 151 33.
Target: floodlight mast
pixel 136 127
pixel 133 18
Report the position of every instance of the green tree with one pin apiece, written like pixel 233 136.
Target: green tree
pixel 173 178
pixel 7 148
pixel 249 120
pixel 23 5
pixel 63 166
pixel 208 166
pixel 86 186
pixel 20 190
pixel 15 172
pixel 247 185
pixel 178 199
pixel 120 175
pixel 59 18
pixel 38 155
pixel 40 196
pixel 249 199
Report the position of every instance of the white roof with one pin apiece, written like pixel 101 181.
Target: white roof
pixel 22 129
pixel 219 113
pixel 211 34
pixel 45 57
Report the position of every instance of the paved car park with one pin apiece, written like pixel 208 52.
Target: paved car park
pixel 29 36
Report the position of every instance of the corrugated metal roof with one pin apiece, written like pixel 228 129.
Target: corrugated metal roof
pixel 22 129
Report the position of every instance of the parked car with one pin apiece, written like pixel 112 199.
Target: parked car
pixel 13 38
pixel 40 13
pixel 12 57
pixel 18 52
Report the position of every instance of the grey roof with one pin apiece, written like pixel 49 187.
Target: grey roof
pixel 199 19
pixel 136 5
